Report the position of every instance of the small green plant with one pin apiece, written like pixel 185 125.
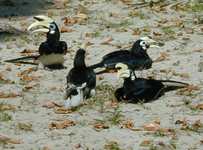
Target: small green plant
pixel 168 30
pixel 112 145
pixel 115 117
pixel 197 7
pixel 5 116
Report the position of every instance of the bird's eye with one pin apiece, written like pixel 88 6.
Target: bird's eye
pixel 52 27
pixel 143 43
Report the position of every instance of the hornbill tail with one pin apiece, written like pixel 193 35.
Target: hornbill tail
pixel 18 60
pixel 173 85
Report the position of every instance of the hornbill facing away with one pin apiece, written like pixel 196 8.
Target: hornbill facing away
pixel 81 81
pixel 52 51
pixel 140 89
pixel 136 58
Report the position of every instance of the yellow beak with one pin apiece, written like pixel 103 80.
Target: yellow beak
pixel 41 21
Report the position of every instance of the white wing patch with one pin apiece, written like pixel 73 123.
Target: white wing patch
pixel 75 100
pixel 52 59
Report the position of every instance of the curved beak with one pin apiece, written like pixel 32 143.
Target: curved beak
pixel 123 74
pixel 41 21
pixel 123 71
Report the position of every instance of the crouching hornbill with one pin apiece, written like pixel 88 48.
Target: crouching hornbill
pixel 136 58
pixel 140 89
pixel 52 51
pixel 81 81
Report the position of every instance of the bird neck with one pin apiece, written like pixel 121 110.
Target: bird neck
pixel 53 39
pixel 79 61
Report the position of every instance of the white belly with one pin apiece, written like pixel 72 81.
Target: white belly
pixel 52 59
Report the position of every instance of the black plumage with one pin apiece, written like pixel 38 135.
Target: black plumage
pixel 81 81
pixel 52 51
pixel 145 90
pixel 136 58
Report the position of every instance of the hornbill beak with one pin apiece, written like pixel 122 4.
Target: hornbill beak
pixel 152 43
pixel 122 71
pixel 41 21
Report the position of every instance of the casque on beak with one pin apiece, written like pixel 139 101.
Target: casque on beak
pixel 152 43
pixel 41 21
pixel 122 71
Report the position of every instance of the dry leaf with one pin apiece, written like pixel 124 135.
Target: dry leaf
pixel 27 52
pixel 62 110
pixel 127 124
pixel 9 95
pixel 157 33
pixel 61 124
pixel 146 143
pixel 25 126
pixel 65 29
pixel 188 90
pixel 198 50
pixel 4 107
pixel 4 81
pixel 8 140
pixel 99 126
pixel 51 104
pixel 163 56
pixel 107 40
pixel 151 127
pixel 69 21
pixel 199 106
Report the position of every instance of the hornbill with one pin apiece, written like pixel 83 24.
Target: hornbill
pixel 141 89
pixel 52 51
pixel 81 81
pixel 136 58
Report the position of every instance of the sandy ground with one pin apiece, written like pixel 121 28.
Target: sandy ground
pixel 174 121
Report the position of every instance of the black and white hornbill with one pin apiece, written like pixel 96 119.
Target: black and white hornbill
pixel 81 81
pixel 140 89
pixel 52 51
pixel 136 58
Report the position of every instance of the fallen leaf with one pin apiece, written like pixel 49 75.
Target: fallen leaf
pixel 99 126
pixel 127 124
pixel 46 148
pixel 69 21
pixel 25 126
pixel 9 95
pixel 199 106
pixel 8 140
pixel 4 107
pixel 163 56
pixel 62 110
pixel 51 104
pixel 3 80
pixel 27 52
pixel 188 90
pixel 198 50
pixel 61 124
pixel 107 40
pixel 65 29
pixel 146 143
pixel 151 127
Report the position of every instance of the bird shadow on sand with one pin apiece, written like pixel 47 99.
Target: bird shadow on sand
pixel 11 8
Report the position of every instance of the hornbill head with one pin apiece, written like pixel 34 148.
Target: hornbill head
pixel 47 25
pixel 122 71
pixel 143 44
